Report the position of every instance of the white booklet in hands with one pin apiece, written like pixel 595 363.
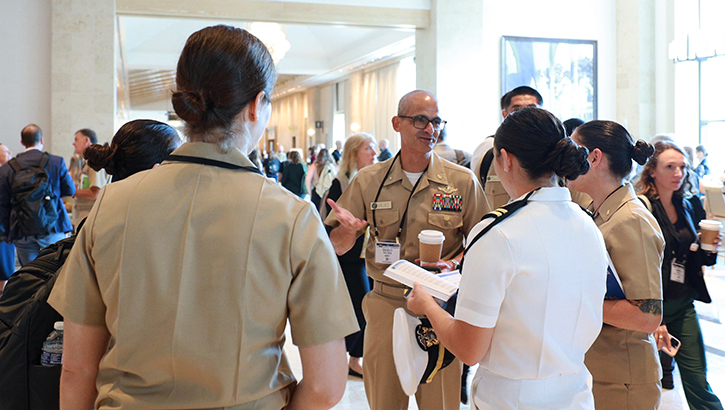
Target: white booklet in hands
pixel 441 286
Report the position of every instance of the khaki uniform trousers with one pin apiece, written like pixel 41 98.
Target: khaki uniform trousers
pixel 620 396
pixel 382 386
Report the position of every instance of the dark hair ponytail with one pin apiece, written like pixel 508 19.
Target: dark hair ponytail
pixel 538 141
pixel 616 143
pixel 137 146
pixel 220 71
pixel 568 160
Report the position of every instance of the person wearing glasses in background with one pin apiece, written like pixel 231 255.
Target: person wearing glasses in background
pixel 398 198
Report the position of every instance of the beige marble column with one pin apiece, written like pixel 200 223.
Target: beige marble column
pixel 82 71
pixel 450 62
pixel 645 75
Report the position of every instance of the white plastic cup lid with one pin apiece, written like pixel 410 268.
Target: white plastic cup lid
pixel 710 224
pixel 431 237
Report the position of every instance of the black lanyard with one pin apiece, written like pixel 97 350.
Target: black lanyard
pixel 212 162
pixel 407 204
pixel 596 211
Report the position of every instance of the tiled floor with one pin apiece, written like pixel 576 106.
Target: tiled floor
pixel 710 321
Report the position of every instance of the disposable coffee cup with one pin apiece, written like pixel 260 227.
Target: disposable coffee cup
pixel 709 230
pixel 431 245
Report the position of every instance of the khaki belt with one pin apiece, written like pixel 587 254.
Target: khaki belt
pixel 390 290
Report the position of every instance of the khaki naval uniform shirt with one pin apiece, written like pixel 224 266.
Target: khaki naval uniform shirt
pixel 195 270
pixel 635 244
pixel 442 177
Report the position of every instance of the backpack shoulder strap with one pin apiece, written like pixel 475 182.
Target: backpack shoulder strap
pixel 485 165
pixel 15 165
pixel 44 160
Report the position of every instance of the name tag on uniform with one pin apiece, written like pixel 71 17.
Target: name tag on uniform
pixel 381 205
pixel 387 252
pixel 677 272
pixel 493 178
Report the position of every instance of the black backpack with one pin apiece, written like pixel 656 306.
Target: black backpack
pixel 33 200
pixel 26 320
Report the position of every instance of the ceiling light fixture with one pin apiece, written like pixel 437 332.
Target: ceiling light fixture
pixel 273 37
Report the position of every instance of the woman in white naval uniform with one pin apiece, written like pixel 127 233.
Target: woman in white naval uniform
pixel 529 305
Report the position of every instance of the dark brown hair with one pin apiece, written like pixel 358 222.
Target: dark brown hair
pixel 137 146
pixel 538 140
pixel 220 71
pixel 294 157
pixel 616 143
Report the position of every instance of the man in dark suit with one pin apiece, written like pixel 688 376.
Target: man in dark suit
pixel 384 151
pixel 28 246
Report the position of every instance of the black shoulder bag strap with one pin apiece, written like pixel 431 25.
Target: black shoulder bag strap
pixel 485 166
pixel 212 162
pixel 499 215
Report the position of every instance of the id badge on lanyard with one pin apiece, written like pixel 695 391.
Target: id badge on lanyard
pixel 387 252
pixel 677 272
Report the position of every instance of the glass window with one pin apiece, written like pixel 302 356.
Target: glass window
pixel 712 91
pixel 699 79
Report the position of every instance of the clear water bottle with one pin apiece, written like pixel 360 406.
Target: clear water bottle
pixel 53 347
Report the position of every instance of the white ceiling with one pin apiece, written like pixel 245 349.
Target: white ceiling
pixel 318 53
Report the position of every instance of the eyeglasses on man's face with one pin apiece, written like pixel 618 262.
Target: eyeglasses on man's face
pixel 421 122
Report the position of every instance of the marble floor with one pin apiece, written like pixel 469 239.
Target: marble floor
pixel 710 320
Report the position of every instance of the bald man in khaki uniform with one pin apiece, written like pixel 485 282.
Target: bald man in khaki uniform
pixel 624 363
pixel 413 191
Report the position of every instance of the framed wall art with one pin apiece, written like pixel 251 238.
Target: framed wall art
pixel 563 71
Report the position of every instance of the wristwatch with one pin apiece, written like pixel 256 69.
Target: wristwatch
pixel 456 265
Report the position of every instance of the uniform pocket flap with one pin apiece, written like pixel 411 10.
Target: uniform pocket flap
pixel 445 221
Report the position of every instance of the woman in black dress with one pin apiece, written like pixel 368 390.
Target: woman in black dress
pixel 358 153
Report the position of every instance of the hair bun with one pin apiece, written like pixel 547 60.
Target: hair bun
pixel 641 151
pixel 568 159
pixel 100 157
pixel 189 106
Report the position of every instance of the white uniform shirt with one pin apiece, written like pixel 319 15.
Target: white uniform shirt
pixel 479 153
pixel 538 278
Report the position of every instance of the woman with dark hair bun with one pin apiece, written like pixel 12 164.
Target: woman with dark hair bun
pixel 665 184
pixel 193 270
pixel 533 274
pixel 138 145
pixel 623 360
